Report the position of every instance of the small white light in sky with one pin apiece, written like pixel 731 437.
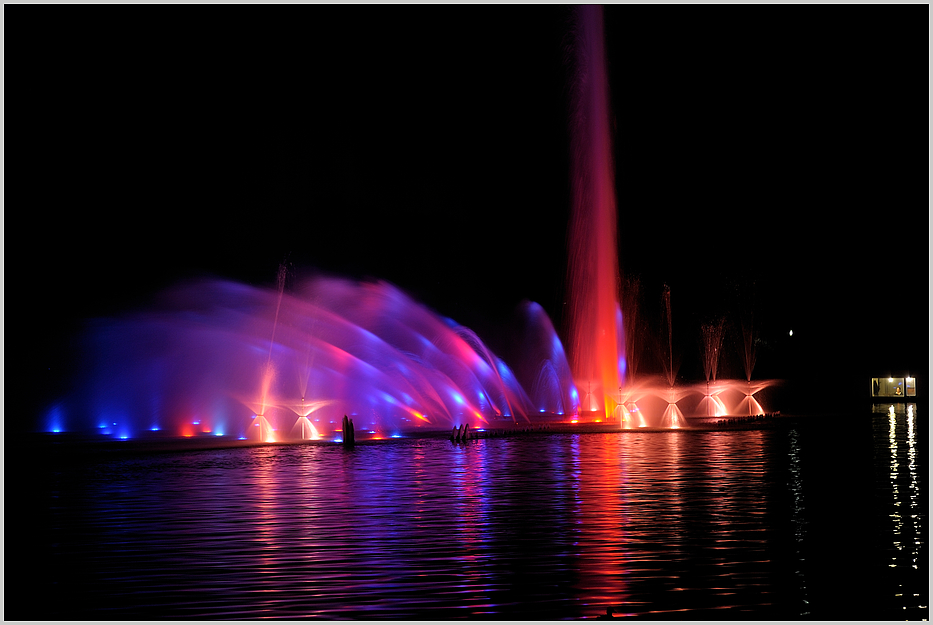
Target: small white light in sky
pixel 791 333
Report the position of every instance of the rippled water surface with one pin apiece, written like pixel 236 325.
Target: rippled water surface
pixel 806 519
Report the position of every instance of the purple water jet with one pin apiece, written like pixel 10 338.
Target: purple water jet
pixel 202 362
pixel 542 367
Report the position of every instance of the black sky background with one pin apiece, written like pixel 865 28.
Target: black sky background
pixel 770 159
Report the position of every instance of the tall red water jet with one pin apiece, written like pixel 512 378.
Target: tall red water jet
pixel 595 318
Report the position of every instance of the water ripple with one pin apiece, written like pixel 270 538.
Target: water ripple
pixel 680 524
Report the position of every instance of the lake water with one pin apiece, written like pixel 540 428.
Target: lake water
pixel 808 518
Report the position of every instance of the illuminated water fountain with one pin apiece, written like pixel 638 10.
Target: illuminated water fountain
pixel 712 404
pixel 543 367
pixel 595 316
pixel 203 363
pixel 750 405
pixel 265 432
pixel 672 417
pixel 224 359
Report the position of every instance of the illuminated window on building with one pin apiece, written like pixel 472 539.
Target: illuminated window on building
pixel 892 387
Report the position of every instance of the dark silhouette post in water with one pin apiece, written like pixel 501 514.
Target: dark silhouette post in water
pixel 348 434
pixel 460 434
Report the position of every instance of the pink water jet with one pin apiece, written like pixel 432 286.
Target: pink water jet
pixel 649 401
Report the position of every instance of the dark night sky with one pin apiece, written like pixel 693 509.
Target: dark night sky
pixel 774 150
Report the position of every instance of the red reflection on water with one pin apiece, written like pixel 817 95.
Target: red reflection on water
pixel 603 518
pixel 266 561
